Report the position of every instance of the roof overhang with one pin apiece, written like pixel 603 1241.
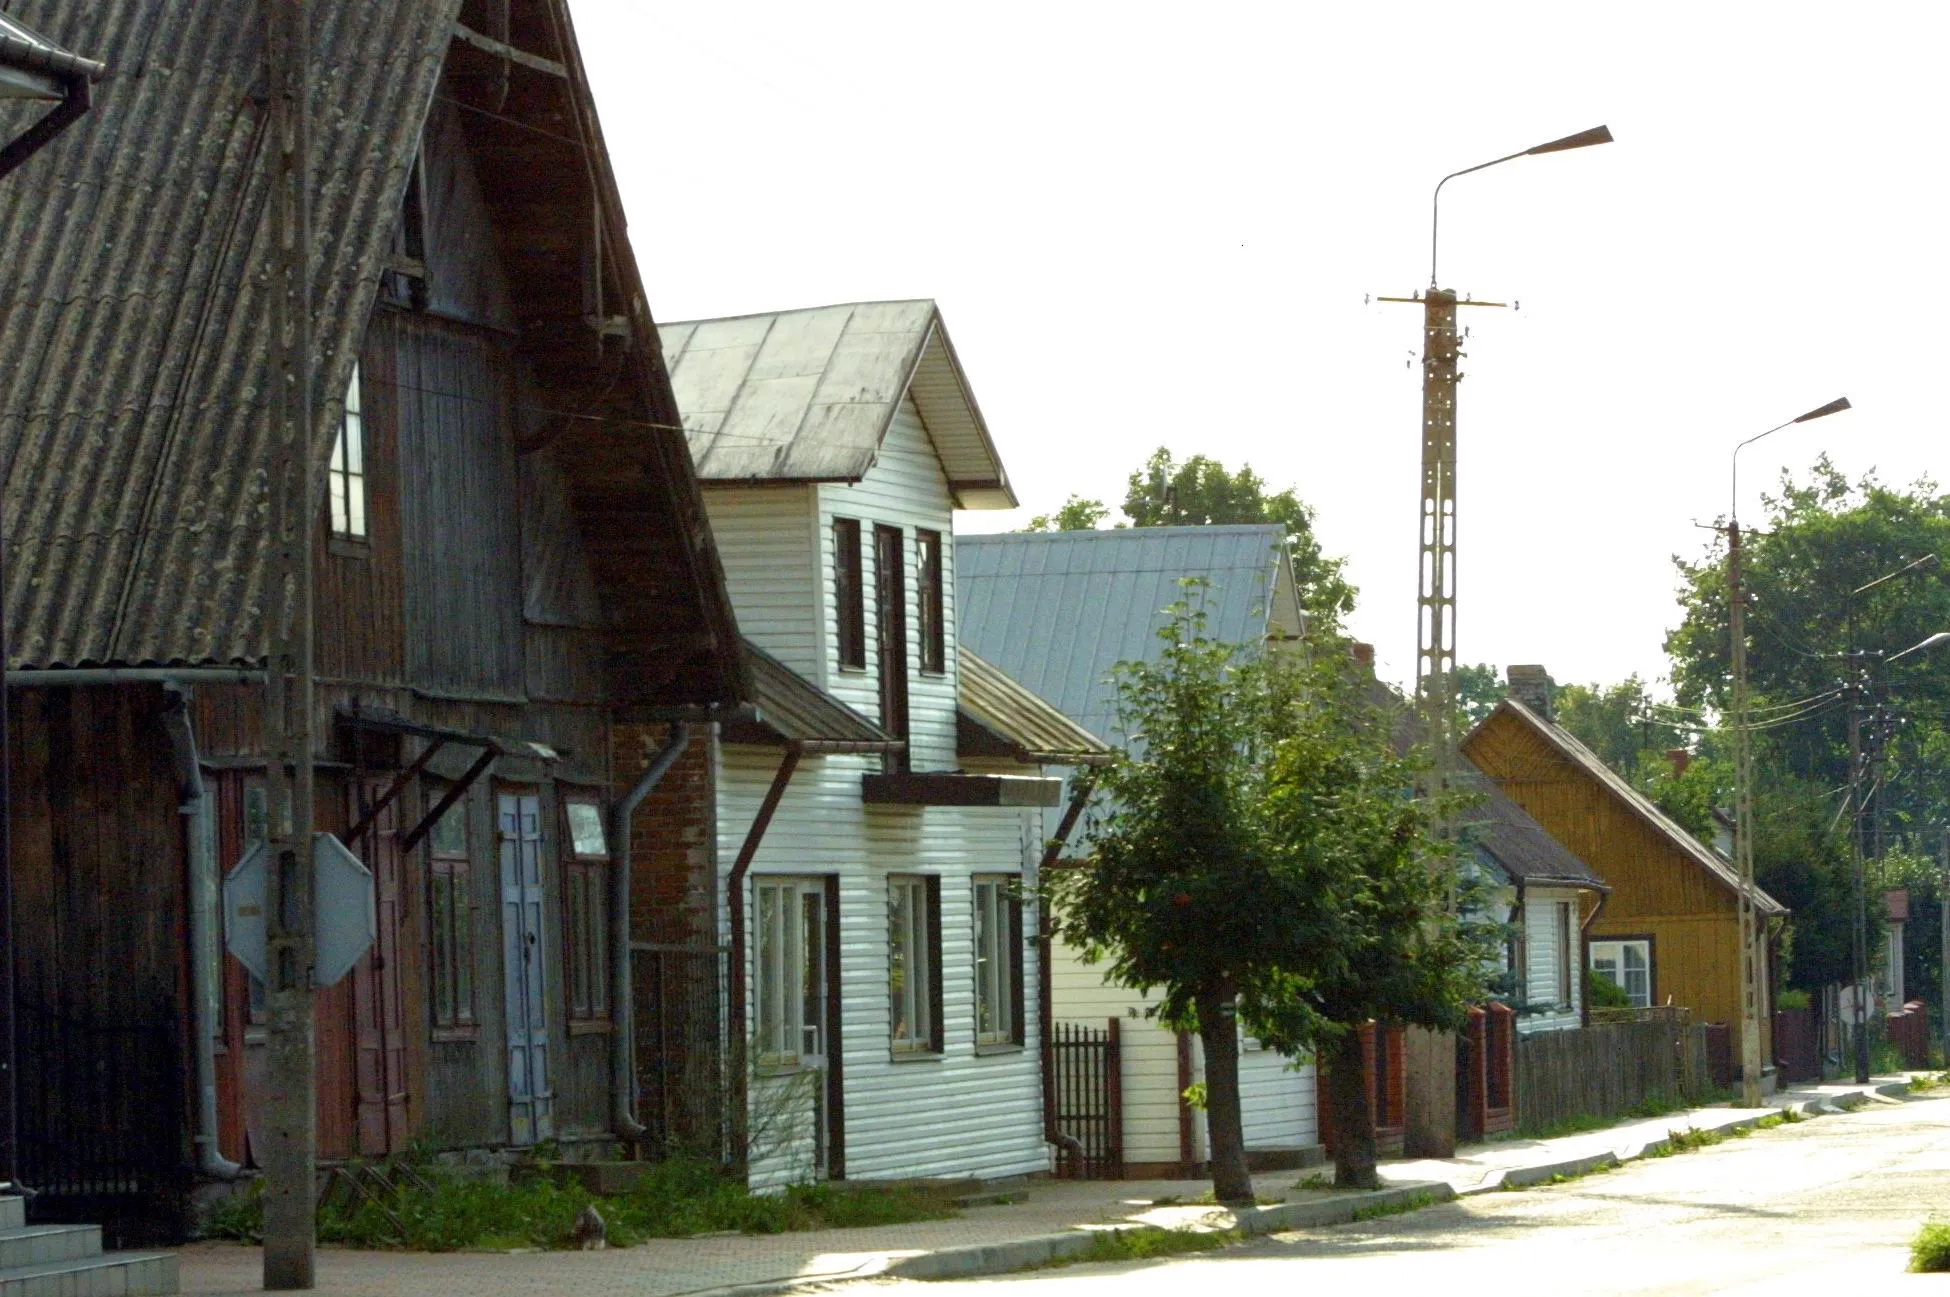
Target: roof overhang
pixel 953 788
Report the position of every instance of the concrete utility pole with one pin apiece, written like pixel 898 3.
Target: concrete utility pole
pixel 289 1152
pixel 1753 949
pixel 1431 1056
pixel 1943 938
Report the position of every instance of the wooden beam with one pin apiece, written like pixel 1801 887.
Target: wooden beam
pixel 501 49
pixel 393 790
pixel 454 794
pixel 951 789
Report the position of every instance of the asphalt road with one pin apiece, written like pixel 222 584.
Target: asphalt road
pixel 1826 1206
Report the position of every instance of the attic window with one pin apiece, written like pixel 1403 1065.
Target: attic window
pixel 348 468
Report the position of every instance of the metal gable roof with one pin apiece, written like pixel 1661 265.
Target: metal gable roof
pixel 1574 751
pixel 1030 727
pixel 1058 610
pixel 807 395
pixel 794 709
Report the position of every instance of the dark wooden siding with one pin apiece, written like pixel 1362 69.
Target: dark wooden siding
pixel 462 538
pixel 464 278
pixel 358 596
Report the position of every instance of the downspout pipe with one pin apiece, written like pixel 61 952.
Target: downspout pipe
pixel 622 1003
pixel 1046 977
pixel 206 951
pixel 735 903
pixel 1584 949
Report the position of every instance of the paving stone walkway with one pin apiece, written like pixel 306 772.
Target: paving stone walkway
pixel 677 1267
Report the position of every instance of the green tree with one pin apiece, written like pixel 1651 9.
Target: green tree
pixel 1479 689
pixel 1255 861
pixel 1077 514
pixel 1202 492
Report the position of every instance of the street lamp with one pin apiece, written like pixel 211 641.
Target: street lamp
pixel 1431 1112
pixel 1582 140
pixel 1753 991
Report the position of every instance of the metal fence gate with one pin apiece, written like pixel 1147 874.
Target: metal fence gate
pixel 1088 1085
pixel 102 1135
pixel 682 1082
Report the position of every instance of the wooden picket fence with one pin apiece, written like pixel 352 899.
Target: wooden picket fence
pixel 1611 1068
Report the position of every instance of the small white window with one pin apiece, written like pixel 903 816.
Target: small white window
pixel 1629 964
pixel 790 972
pixel 913 964
pixel 348 470
pixel 998 961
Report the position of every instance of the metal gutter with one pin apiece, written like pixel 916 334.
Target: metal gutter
pixel 622 1053
pixel 56 677
pixel 206 950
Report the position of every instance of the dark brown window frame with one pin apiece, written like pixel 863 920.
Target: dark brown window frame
pixel 453 870
pixel 890 631
pixel 849 595
pixel 930 571
pixel 585 926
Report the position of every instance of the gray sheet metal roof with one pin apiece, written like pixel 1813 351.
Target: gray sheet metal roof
pixel 808 395
pixel 1522 846
pixel 1030 728
pixel 1058 610
pixel 1577 754
pixel 135 448
pixel 795 710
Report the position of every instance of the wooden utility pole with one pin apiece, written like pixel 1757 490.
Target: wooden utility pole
pixel 290 1124
pixel 1753 991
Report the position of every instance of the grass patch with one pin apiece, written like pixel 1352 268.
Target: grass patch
pixel 1768 1123
pixel 1146 1243
pixel 1399 1207
pixel 1653 1105
pixel 673 1200
pixel 1929 1251
pixel 1689 1140
pixel 1924 1084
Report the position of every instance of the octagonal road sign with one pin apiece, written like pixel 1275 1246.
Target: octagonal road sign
pixel 343 920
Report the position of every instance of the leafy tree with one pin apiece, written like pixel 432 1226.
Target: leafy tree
pixel 1077 514
pixel 1257 862
pixel 1479 689
pixel 1201 491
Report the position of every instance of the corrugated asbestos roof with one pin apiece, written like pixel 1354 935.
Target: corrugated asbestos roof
pixel 1058 610
pixel 807 396
pixel 792 708
pixel 1637 802
pixel 130 417
pixel 1523 847
pixel 1030 727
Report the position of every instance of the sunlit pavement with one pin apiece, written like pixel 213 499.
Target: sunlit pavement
pixel 1826 1206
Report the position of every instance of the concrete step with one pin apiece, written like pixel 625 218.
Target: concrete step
pixel 117 1274
pixel 13 1212
pixel 43 1244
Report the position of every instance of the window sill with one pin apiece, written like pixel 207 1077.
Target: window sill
pixel 590 1026
pixel 997 1048
pixel 347 547
pixel 849 670
pixel 915 1056
pixel 456 1035
pixel 780 1070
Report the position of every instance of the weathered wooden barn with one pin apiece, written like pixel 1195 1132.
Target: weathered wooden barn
pixel 519 608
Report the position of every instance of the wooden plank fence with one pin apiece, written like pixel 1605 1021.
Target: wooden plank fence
pixel 1610 1068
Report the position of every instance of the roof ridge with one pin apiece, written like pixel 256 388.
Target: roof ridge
pixel 798 310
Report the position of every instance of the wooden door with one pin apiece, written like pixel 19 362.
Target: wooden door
pixel 378 1001
pixel 531 1099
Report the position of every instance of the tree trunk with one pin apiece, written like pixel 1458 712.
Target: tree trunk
pixel 1218 1032
pixel 1347 1091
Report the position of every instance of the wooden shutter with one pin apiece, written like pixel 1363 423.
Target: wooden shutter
pixel 835 1051
pixel 531 1100
pixel 937 1037
pixel 1017 1032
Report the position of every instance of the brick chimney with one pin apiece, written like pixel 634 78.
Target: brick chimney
pixel 1680 759
pixel 1532 686
pixel 1363 655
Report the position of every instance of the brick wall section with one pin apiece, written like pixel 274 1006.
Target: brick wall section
pixel 673 844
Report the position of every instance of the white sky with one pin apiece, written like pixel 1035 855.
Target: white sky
pixel 1151 224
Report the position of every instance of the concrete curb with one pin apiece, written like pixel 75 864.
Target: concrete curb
pixel 1017 1254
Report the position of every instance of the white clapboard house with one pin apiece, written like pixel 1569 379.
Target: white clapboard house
pixel 1058 611
pixel 873 881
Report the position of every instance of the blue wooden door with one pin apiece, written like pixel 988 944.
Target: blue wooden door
pixel 531 1099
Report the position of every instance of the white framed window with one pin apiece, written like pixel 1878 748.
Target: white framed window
pixel 1628 963
pixel 998 960
pixel 914 964
pixel 789 971
pixel 347 473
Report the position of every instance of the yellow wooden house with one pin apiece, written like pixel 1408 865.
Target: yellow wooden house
pixel 1669 932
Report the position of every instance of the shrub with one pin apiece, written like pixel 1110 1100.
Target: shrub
pixel 1600 992
pixel 1792 999
pixel 1929 1251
